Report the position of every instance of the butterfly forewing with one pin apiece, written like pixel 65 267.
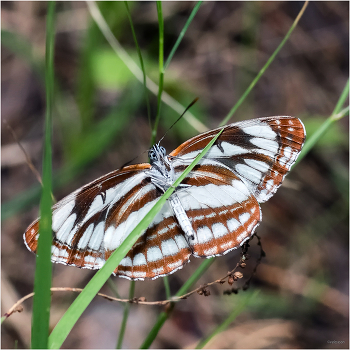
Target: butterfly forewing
pixel 260 151
pixel 81 219
pixel 220 198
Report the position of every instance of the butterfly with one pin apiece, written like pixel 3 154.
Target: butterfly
pixel 213 211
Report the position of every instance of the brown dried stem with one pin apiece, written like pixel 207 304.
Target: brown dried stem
pixel 28 160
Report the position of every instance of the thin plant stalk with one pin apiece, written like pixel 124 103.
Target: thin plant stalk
pixel 263 69
pixel 182 33
pixel 336 115
pixel 43 270
pixel 165 314
pixel 206 263
pixel 113 287
pixel 141 63
pixel 161 70
pixel 342 99
pixel 167 287
pixel 125 316
pixel 232 316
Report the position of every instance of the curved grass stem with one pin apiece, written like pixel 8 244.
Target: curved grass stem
pixel 263 69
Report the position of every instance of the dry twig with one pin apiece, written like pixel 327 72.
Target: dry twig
pixel 231 277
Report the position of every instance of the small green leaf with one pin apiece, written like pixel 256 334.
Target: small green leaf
pixel 108 70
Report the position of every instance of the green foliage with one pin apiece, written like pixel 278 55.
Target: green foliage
pixel 43 270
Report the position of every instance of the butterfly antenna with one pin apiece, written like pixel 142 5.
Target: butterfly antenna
pixel 187 108
pixel 130 161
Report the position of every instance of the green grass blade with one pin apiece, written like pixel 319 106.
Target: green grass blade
pixel 113 287
pixel 313 139
pixel 86 84
pixel 183 31
pixel 165 315
pixel 235 312
pixel 203 267
pixel 161 70
pixel 23 49
pixel 167 287
pixel 141 63
pixel 125 316
pixel 344 95
pixel 66 323
pixel 263 69
pixel 43 270
pixel 157 326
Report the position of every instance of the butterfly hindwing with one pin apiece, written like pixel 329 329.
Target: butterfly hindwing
pixel 161 250
pixel 222 211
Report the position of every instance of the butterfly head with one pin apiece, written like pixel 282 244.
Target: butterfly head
pixel 156 153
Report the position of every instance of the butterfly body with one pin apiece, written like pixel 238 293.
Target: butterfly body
pixel 163 176
pixel 214 210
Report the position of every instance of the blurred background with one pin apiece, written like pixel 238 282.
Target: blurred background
pixel 100 122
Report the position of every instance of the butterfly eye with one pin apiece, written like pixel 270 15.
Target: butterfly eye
pixel 162 149
pixel 152 155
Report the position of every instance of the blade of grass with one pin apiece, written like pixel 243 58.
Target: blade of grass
pixel 263 69
pixel 182 33
pixel 134 69
pixel 161 70
pixel 234 313
pixel 125 316
pixel 344 95
pixel 167 287
pixel 336 115
pixel 141 63
pixel 165 314
pixel 66 323
pixel 43 270
pixel 113 287
pixel 315 137
pixel 86 84
pixel 23 49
